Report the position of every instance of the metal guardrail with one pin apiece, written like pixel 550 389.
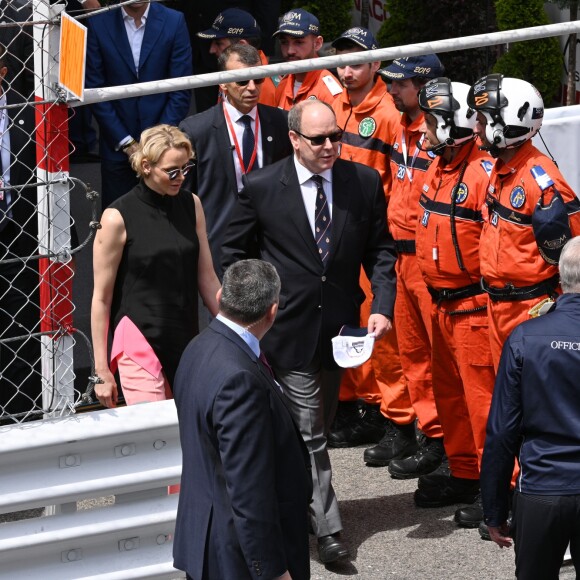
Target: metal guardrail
pixel 131 452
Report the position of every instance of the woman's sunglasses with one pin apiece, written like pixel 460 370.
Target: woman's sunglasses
pixel 173 174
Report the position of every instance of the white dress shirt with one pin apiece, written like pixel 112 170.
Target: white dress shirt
pixel 309 189
pixel 238 126
pixel 135 35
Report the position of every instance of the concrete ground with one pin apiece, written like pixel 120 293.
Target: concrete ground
pixel 390 538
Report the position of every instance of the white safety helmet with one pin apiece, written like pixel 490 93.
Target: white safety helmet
pixel 514 110
pixel 447 102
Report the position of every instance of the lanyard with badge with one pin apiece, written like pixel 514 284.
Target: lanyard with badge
pixel 406 167
pixel 237 145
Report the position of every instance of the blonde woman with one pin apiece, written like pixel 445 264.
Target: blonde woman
pixel 150 259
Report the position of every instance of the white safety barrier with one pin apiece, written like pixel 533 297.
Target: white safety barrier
pixel 130 452
pixel 438 46
pixel 560 130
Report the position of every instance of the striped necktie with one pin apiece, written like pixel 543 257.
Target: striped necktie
pixel 322 221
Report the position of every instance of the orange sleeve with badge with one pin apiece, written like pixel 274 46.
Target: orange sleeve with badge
pixel 318 84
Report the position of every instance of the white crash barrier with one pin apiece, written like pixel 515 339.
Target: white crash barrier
pixel 132 453
pixel 561 131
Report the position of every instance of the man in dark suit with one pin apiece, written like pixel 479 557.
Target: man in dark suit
pixel 20 384
pixel 136 43
pixel 245 486
pixel 317 219
pixel 218 137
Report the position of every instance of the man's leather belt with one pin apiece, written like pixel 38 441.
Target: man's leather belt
pixel 455 293
pixel 405 246
pixel 511 293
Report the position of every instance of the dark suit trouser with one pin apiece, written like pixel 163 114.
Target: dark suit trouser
pixel 312 395
pixel 543 525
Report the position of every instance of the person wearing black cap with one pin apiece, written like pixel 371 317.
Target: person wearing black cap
pixel 226 150
pixel 233 26
pixel 299 34
pixel 369 119
pixel 409 163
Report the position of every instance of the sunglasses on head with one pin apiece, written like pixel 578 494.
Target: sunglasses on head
pixel 245 83
pixel 173 174
pixel 321 139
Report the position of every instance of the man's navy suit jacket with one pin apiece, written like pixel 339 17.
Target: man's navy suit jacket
pixel 246 484
pixel 316 299
pixel 215 177
pixel 165 54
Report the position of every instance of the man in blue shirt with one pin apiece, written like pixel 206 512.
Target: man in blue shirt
pixel 535 414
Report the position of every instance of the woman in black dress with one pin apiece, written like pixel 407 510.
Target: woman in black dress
pixel 150 259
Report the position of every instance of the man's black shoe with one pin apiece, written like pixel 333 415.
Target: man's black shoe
pixel 331 549
pixel 455 490
pixel 470 516
pixel 366 427
pixel 398 442
pixel 484 532
pixel 426 460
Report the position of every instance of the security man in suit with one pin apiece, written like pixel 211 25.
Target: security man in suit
pixel 317 218
pixel 245 487
pixel 135 43
pixel 231 139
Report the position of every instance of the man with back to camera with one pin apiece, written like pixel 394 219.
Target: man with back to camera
pixel 409 163
pixel 519 268
pixel 447 241
pixel 236 26
pixel 299 35
pixel 369 119
pixel 245 487
pixel 231 139
pixel 534 416
pixel 317 219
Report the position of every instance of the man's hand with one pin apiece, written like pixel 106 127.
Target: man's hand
pixel 91 4
pixel 500 535
pixel 131 149
pixel 379 324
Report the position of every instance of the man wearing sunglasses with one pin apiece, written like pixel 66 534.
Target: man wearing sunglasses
pixel 231 139
pixel 299 35
pixel 376 390
pixel 317 219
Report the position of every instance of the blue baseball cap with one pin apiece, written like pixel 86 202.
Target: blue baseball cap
pixel 232 23
pixel 428 66
pixel 298 23
pixel 362 37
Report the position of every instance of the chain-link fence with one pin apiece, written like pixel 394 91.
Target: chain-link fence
pixel 37 239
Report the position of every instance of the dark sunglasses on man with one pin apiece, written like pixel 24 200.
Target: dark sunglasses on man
pixel 318 140
pixel 245 83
